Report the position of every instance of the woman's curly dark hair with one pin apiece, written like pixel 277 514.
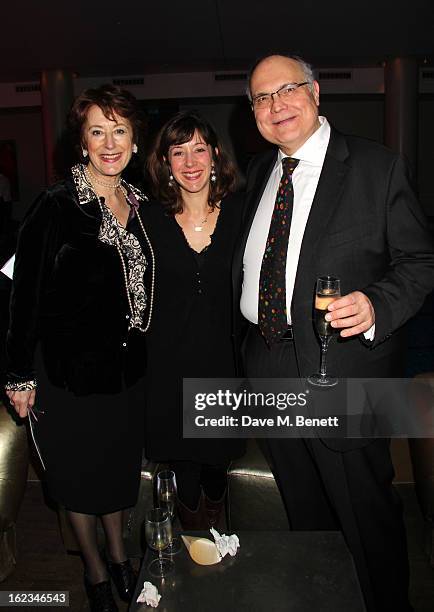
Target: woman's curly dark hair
pixel 179 130
pixel 110 99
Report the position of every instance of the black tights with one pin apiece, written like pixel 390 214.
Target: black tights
pixel 192 477
pixel 84 526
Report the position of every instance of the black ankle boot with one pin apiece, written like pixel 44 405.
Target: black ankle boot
pixel 124 577
pixel 100 596
pixel 192 520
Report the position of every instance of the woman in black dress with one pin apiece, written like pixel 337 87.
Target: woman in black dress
pixel 193 228
pixel 75 345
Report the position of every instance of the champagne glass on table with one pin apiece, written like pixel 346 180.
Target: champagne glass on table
pixel 167 495
pixel 327 290
pixel 158 533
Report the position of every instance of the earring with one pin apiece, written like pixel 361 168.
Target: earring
pixel 85 153
pixel 135 148
pixel 170 180
pixel 213 176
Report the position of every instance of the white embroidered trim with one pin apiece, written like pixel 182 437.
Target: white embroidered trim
pixel 27 385
pixel 133 263
pixel 130 252
pixel 85 191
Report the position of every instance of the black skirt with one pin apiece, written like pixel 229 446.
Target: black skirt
pixel 91 446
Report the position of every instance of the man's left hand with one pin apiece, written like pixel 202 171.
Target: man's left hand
pixel 354 312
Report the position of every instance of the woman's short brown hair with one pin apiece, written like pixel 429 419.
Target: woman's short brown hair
pixel 179 130
pixel 110 99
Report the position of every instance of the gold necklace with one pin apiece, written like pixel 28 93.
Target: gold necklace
pixel 199 228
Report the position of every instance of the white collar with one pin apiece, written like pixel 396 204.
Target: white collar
pixel 314 149
pixel 85 190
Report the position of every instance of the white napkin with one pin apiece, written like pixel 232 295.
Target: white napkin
pixel 226 544
pixel 8 268
pixel 149 595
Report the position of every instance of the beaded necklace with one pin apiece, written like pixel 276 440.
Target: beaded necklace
pixel 91 178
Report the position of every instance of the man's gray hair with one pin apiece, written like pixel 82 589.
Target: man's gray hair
pixel 305 67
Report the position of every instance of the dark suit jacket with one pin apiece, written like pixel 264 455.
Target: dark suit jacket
pixel 366 227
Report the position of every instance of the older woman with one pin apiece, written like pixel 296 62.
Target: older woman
pixel 193 227
pixel 75 345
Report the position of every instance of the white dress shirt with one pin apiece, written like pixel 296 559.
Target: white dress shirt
pixel 305 181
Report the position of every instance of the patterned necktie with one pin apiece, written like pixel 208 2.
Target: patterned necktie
pixel 272 316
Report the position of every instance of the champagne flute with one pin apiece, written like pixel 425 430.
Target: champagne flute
pixel 327 291
pixel 167 495
pixel 158 533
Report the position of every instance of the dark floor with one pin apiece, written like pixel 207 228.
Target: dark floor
pixel 44 565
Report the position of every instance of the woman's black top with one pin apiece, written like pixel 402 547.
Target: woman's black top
pixel 69 294
pixel 191 330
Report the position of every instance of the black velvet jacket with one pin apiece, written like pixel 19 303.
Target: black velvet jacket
pixel 69 294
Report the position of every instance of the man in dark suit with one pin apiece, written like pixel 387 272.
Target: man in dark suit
pixel 353 215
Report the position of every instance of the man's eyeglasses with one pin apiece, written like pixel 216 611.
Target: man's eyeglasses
pixel 265 100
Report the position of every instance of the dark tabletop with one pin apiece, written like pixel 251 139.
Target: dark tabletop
pixel 272 572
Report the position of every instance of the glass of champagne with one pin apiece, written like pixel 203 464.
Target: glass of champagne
pixel 327 290
pixel 167 496
pixel 158 533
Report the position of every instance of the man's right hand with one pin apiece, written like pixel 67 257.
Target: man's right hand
pixel 352 312
pixel 22 401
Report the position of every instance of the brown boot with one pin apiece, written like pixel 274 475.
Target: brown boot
pixel 214 510
pixel 193 520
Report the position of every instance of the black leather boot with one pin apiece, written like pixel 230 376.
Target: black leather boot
pixel 100 596
pixel 193 520
pixel 124 577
